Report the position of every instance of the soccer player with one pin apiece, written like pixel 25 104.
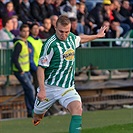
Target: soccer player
pixel 56 72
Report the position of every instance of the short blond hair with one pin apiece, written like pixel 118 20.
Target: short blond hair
pixel 63 20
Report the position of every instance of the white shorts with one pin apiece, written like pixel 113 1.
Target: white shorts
pixel 53 93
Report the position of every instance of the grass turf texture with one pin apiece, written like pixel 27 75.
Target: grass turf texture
pixel 109 121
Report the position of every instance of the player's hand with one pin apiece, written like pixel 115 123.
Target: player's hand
pixel 101 32
pixel 41 95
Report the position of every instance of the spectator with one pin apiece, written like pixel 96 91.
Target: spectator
pixel 56 7
pixel 95 17
pixel 115 9
pixel 113 30
pixel 77 29
pixel 39 11
pixel 5 32
pixel 107 35
pixel 16 4
pixel 46 30
pixel 82 13
pixel 49 7
pixel 74 26
pixel 15 30
pixel 70 9
pixel 116 31
pixel 3 12
pixel 10 9
pixel 25 12
pixel 53 23
pixel 107 11
pixel 21 67
pixel 90 4
pixel 126 12
pixel 81 16
pixel 35 45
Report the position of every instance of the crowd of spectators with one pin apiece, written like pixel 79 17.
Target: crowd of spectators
pixel 87 16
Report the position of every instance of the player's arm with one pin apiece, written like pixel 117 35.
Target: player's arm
pixel 41 77
pixel 44 62
pixel 87 38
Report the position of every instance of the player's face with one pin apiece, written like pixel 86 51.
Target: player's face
pixel 62 32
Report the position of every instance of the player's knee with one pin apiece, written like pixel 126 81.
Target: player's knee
pixel 76 109
pixel 79 110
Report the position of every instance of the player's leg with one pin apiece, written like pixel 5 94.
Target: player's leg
pixel 71 100
pixel 40 107
pixel 39 111
pixel 75 108
pixel 37 118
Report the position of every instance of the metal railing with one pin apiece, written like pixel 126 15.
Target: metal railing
pixel 107 58
pixel 103 57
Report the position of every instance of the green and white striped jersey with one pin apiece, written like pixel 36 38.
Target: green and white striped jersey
pixel 58 59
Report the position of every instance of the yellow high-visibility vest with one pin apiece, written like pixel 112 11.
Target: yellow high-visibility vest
pixel 23 57
pixel 37 45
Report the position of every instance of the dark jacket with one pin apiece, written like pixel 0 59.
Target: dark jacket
pixel 119 17
pixel 125 13
pixel 56 10
pixel 39 12
pixel 3 12
pixel 96 15
pixel 25 13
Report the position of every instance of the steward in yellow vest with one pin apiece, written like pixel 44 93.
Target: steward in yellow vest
pixel 23 64
pixel 35 45
pixel 21 67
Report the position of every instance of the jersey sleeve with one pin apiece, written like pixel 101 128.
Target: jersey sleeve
pixel 46 55
pixel 77 41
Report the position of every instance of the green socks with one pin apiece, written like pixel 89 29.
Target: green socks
pixel 75 125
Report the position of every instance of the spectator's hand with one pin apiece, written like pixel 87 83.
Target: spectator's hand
pixel 41 28
pixel 131 19
pixel 91 25
pixel 30 50
pixel 118 31
pixel 101 32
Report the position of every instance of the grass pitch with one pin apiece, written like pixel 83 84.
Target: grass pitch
pixel 124 128
pixel 109 121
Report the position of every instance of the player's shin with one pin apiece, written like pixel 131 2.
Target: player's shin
pixel 75 124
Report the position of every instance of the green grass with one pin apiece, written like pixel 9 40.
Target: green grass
pixel 110 121
pixel 125 128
